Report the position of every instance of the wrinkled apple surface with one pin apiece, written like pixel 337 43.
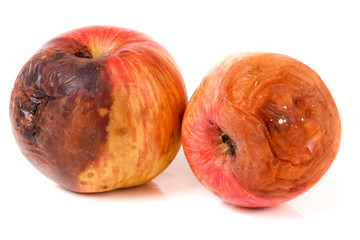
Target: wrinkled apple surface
pixel 99 108
pixel 261 129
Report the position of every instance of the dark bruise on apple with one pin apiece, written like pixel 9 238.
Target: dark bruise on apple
pixel 99 108
pixel 261 129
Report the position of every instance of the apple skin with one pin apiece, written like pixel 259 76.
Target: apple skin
pixel 261 129
pixel 99 108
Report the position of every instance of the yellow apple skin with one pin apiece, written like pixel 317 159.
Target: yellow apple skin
pixel 261 129
pixel 99 108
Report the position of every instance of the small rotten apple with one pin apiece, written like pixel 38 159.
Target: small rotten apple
pixel 99 108
pixel 261 129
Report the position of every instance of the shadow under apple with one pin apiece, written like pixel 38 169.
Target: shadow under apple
pixel 147 191
pixel 282 211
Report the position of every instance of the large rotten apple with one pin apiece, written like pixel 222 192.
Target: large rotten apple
pixel 99 108
pixel 261 129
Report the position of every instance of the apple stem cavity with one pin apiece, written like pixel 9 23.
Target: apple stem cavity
pixel 81 54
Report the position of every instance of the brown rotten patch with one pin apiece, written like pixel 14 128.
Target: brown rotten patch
pixel 289 127
pixel 49 123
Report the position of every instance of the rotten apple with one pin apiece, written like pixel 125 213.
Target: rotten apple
pixel 99 108
pixel 261 129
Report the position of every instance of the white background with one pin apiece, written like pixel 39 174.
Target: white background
pixel 322 34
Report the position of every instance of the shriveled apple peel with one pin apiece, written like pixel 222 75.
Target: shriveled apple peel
pixel 261 129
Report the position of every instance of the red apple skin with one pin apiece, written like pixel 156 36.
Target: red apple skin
pixel 261 129
pixel 99 108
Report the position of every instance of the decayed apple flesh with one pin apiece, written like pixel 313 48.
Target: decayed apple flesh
pixel 99 108
pixel 260 129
